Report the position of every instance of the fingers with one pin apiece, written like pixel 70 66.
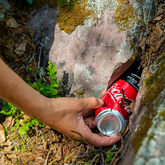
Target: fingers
pixel 90 104
pixel 100 140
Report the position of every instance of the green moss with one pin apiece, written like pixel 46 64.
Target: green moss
pixel 66 5
pixel 154 85
pixel 124 14
pixel 159 59
pixel 162 113
pixel 72 14
pixel 141 132
pixel 80 93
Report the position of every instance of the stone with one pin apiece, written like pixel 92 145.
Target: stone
pixel 145 141
pixel 43 22
pixel 2 134
pixel 95 53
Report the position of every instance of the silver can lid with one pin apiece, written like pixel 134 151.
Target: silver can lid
pixel 109 121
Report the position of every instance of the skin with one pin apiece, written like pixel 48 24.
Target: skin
pixel 61 114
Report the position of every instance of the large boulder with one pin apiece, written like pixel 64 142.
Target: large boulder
pixel 144 144
pixel 104 46
pixel 94 51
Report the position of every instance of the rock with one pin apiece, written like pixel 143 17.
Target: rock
pixel 43 22
pixel 144 144
pixel 91 54
pixel 2 134
pixel 95 51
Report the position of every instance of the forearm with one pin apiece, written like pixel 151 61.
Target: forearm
pixel 14 90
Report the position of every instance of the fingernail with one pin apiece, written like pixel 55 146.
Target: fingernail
pixel 101 101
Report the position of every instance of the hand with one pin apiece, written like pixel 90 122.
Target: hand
pixel 68 114
pixel 62 114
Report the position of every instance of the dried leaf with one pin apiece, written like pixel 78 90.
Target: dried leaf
pixel 4 160
pixel 58 155
pixel 20 48
pixel 152 39
pixel 30 48
pixel 158 31
pixel 125 130
pixel 6 145
pixel 7 122
pixel 160 11
pixel 116 161
pixel 11 22
pixel 158 18
pixel 142 43
pixel 26 118
pixel 157 45
pixel 132 106
pixel 17 31
pixel 2 134
pixel 66 151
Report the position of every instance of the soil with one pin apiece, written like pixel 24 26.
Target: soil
pixel 45 145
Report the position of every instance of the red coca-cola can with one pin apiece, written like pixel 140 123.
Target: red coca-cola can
pixel 113 115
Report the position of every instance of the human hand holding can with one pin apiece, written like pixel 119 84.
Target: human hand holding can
pixel 112 117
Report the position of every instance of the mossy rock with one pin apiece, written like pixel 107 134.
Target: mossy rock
pixel 72 14
pixel 154 85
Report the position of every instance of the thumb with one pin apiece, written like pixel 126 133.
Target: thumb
pixel 90 104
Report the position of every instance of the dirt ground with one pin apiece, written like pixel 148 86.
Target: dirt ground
pixel 44 145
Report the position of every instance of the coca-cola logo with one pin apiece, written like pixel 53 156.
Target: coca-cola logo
pixel 116 93
pixel 126 106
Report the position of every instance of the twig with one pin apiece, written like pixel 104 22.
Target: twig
pixel 39 59
pixel 47 157
pixel 83 139
pixel 29 61
pixel 96 157
pixel 102 157
pixel 147 27
pixel 116 153
pixel 92 150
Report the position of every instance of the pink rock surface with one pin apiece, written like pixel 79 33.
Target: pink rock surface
pixel 90 54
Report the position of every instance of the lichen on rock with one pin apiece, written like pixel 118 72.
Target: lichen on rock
pixel 72 13
pixel 124 14
pixel 146 140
